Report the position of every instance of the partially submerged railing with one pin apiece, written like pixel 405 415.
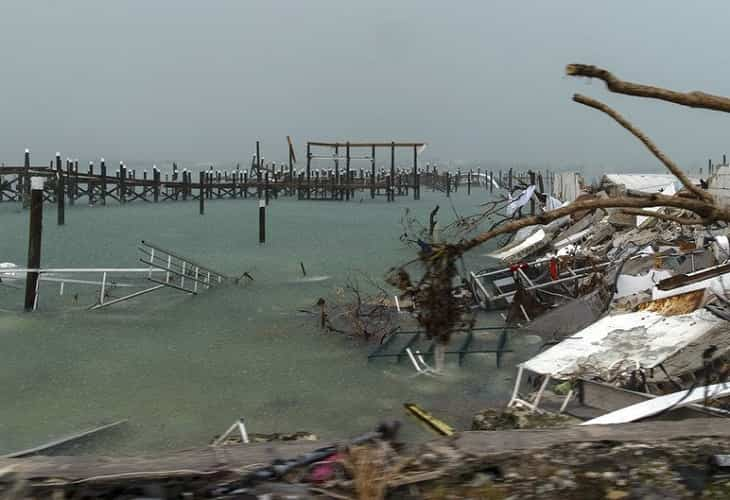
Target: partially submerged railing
pixel 164 268
pixel 390 349
pixel 180 272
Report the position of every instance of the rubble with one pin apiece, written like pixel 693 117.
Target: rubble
pixel 518 418
pixel 636 301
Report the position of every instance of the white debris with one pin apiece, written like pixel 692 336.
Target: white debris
pixel 644 338
pixel 629 285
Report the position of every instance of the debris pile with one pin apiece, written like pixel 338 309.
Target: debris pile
pixel 639 302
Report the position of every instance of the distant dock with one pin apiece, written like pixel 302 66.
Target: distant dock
pixel 338 180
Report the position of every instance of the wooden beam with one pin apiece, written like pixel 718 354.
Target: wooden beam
pixel 367 144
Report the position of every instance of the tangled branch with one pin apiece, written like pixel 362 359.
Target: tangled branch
pixel 439 312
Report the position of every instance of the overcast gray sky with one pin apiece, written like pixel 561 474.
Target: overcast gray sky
pixel 478 80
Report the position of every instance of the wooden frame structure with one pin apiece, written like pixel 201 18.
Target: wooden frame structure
pixel 346 189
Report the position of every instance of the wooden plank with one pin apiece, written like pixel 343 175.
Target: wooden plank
pixel 367 144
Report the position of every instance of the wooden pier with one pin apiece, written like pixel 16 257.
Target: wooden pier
pixel 341 177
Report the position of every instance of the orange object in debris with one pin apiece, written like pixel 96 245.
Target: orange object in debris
pixel 554 269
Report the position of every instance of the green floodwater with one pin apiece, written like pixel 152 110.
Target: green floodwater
pixel 182 368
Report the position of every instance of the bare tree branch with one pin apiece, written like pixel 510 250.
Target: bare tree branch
pixel 706 211
pixel 694 99
pixel 673 167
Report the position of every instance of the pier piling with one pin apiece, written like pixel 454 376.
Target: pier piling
pixel 262 221
pixel 34 241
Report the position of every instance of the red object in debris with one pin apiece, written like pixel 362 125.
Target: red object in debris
pixel 325 470
pixel 554 269
pixel 521 265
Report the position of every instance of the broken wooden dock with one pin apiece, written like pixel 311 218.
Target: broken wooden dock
pixel 338 179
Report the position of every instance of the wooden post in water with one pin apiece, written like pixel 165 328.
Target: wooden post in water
pixel 258 170
pixel 309 170
pixel 103 181
pixel 262 221
pixel 266 188
pixel 392 171
pixel 448 184
pixel 182 185
pixel 76 179
pixel 347 171
pixel 90 185
pixel 34 241
pixel 337 193
pixel 122 183
pixel 156 182
pixel 322 313
pixel 201 198
pixel 468 183
pixel 509 180
pixel 372 172
pixel 69 181
pixel 291 171
pixel 60 193
pixel 416 186
pixel 26 179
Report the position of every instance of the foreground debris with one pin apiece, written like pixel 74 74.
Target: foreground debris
pixel 665 459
